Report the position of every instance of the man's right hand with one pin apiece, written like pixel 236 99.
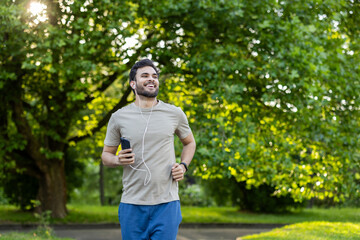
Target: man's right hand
pixel 125 157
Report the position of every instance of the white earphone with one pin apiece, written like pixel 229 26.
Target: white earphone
pixel 148 172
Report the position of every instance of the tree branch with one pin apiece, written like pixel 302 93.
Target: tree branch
pixel 123 101
pixel 23 127
pixel 104 86
pixel 21 159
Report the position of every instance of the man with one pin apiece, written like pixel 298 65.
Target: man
pixel 150 206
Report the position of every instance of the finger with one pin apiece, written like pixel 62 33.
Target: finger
pixel 127 155
pixel 178 169
pixel 127 158
pixel 126 150
pixel 175 165
pixel 178 178
pixel 127 161
pixel 178 174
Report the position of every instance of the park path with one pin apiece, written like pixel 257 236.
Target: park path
pixel 184 233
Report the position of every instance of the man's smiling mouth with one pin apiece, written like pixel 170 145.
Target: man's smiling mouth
pixel 150 85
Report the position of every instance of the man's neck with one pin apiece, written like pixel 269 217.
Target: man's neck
pixel 144 102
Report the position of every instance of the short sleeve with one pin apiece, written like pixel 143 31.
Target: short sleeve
pixel 113 134
pixel 183 129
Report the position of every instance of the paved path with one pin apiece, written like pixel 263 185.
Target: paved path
pixel 207 232
pixel 184 233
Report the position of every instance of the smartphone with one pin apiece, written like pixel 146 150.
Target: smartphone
pixel 125 144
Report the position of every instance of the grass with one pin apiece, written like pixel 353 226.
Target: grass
pixel 41 233
pixel 77 214
pixel 10 214
pixel 28 236
pixel 311 230
pixel 91 214
pixel 231 215
pixel 108 214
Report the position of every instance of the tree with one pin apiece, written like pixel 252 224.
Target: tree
pixel 278 100
pixel 55 65
pixel 270 87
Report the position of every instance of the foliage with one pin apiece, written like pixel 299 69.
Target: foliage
pixel 193 195
pixel 259 199
pixel 311 230
pixel 74 171
pixel 89 193
pixel 43 229
pixel 270 87
pixel 351 203
pixel 3 199
pixel 54 71
pixel 20 189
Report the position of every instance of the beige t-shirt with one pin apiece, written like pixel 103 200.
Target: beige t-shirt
pixel 159 154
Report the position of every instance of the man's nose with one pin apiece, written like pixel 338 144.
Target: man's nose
pixel 152 78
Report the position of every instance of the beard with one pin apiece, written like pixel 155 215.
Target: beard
pixel 140 90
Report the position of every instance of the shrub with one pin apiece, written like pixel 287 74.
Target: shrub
pixel 193 195
pixel 231 192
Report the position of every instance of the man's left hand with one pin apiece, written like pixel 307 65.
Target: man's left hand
pixel 178 171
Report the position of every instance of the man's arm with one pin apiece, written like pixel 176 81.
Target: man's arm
pixel 110 159
pixel 187 154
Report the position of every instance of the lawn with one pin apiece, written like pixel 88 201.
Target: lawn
pixel 311 230
pixel 40 233
pixel 108 214
pixel 28 236
pixel 231 215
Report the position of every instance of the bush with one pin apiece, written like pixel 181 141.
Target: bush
pixel 20 189
pixel 261 200
pixel 231 192
pixel 193 195
pixel 3 200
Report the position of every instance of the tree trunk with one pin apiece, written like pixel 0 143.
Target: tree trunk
pixel 52 189
pixel 102 194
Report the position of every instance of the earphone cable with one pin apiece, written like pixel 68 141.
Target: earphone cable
pixel 148 172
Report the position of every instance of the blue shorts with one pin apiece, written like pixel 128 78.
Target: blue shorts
pixel 155 222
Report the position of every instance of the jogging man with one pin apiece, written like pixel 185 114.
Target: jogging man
pixel 150 206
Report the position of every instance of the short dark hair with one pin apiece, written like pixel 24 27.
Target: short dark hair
pixel 142 63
